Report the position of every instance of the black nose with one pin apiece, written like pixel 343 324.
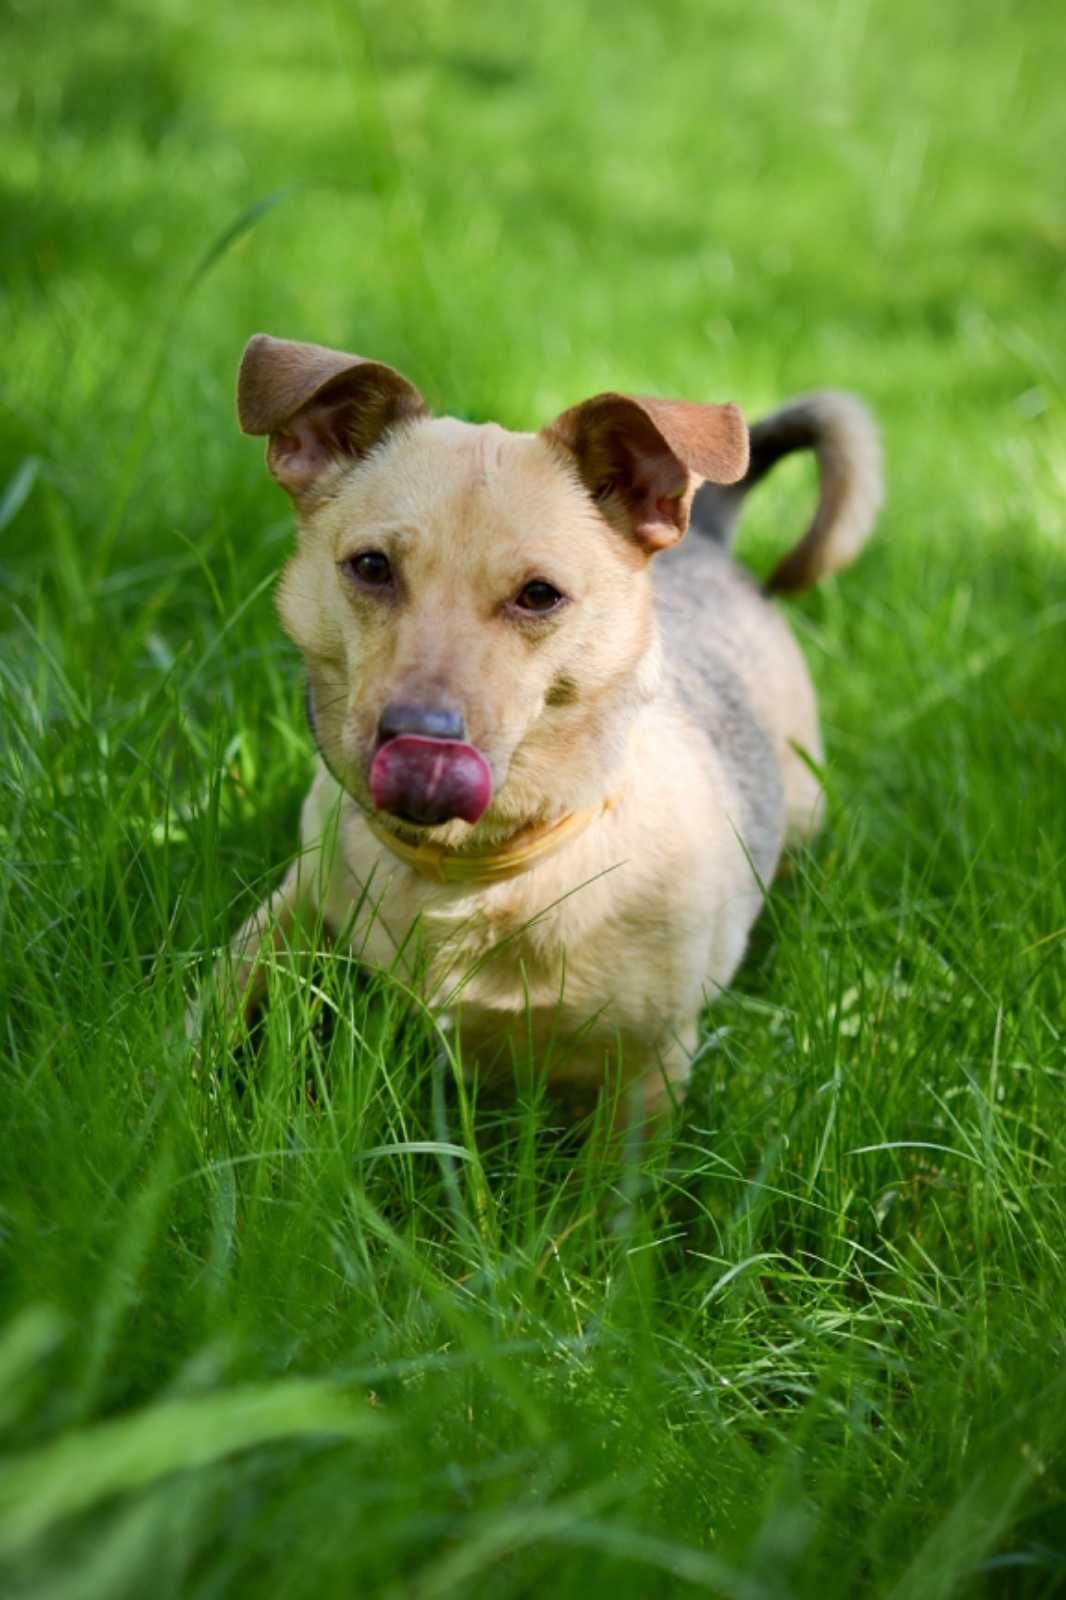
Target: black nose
pixel 431 721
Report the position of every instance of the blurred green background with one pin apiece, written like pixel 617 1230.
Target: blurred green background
pixel 351 1340
pixel 522 205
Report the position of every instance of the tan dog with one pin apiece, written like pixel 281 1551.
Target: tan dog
pixel 560 745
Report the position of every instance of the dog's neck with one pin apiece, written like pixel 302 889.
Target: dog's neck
pixel 489 863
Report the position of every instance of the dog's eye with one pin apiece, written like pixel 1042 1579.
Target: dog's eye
pixel 538 596
pixel 369 568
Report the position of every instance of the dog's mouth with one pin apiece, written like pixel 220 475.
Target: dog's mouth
pixel 428 781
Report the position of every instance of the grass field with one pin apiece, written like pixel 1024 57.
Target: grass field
pixel 310 1324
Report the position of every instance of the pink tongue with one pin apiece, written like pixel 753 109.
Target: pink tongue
pixel 430 780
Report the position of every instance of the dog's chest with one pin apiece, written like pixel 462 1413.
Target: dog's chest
pixel 603 938
pixel 520 971
pixel 498 949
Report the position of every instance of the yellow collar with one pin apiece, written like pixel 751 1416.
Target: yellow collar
pixel 516 855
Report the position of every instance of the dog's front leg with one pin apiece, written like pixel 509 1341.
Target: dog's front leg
pixel 238 983
pixel 665 1077
pixel 270 929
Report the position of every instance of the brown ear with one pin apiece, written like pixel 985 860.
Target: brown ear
pixel 640 458
pixel 318 406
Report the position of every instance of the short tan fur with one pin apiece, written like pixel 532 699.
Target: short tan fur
pixel 665 696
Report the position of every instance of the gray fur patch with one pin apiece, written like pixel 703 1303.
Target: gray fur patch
pixel 703 599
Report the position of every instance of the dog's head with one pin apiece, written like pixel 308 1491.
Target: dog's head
pixel 473 605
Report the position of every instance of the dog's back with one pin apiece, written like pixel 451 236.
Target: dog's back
pixel 720 643
pixel 733 661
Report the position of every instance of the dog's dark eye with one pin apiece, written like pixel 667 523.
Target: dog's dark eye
pixel 538 596
pixel 369 567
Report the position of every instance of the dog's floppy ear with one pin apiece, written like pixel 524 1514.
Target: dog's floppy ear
pixel 318 407
pixel 641 458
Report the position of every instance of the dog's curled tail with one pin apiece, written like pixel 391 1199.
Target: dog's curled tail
pixel 844 438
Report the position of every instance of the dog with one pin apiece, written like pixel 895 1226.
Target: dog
pixel 560 746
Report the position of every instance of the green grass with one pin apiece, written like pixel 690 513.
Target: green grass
pixel 301 1325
